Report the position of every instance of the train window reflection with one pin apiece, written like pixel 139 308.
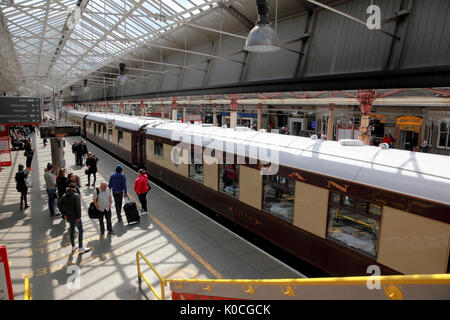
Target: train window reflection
pixel 229 179
pixel 159 149
pixel 278 193
pixel 104 133
pixel 354 223
pixel 196 165
pixel 120 138
pixel 110 135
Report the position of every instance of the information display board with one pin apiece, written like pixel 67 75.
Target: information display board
pixel 6 291
pixel 60 131
pixel 20 110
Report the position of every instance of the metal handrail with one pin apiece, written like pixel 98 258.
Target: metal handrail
pixel 27 291
pixel 141 276
pixel 399 279
pixel 287 285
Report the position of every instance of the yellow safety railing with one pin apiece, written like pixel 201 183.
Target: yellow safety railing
pixel 27 291
pixel 287 285
pixel 141 276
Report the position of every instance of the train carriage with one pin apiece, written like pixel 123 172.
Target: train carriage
pixel 341 206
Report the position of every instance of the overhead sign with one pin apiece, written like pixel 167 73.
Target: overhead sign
pixel 20 110
pixel 60 130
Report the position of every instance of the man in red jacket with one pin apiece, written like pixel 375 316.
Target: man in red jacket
pixel 141 188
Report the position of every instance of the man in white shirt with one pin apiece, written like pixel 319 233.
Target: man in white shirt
pixel 103 202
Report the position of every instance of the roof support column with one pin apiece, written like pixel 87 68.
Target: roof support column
pixel 174 108
pixel 214 115
pixel 259 124
pixel 366 98
pixel 233 113
pixel 330 128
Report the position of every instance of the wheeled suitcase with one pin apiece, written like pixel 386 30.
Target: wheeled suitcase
pixel 131 212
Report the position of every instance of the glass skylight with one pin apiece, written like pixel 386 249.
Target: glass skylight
pixel 106 30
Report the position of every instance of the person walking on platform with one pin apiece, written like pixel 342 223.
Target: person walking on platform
pixel 103 201
pixel 21 187
pixel 84 152
pixel 74 151
pixel 91 163
pixel 72 177
pixel 29 152
pixel 71 205
pixel 118 185
pixel 61 185
pixel 50 185
pixel 61 182
pixel 79 154
pixel 141 188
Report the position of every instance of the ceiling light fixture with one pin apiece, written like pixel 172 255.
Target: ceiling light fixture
pixel 262 38
pixel 122 79
pixel 85 88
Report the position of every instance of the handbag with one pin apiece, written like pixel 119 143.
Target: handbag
pixel 93 213
pixel 28 181
pixel 86 171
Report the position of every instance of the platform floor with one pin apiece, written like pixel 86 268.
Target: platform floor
pixel 178 240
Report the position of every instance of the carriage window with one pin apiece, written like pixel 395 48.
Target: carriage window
pixel 354 223
pixel 278 196
pixel 196 169
pixel 229 179
pixel 159 149
pixel 120 138
pixel 89 126
pixel 104 132
pixel 110 135
pixel 95 129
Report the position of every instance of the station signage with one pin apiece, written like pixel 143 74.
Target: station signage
pixel 20 110
pixel 60 131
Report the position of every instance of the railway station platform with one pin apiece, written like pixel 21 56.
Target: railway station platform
pixel 178 240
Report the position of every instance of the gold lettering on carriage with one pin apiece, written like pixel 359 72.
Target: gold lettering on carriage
pixel 337 186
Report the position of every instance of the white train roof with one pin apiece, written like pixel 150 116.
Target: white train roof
pixel 416 174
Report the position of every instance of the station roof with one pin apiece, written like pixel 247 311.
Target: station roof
pixel 44 46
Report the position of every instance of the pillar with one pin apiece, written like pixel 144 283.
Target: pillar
pixel 330 129
pixel 142 108
pixel 121 107
pixel 259 123
pixel 234 112
pixel 366 99
pixel 184 114
pixel 214 116
pixel 107 107
pixel 174 108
